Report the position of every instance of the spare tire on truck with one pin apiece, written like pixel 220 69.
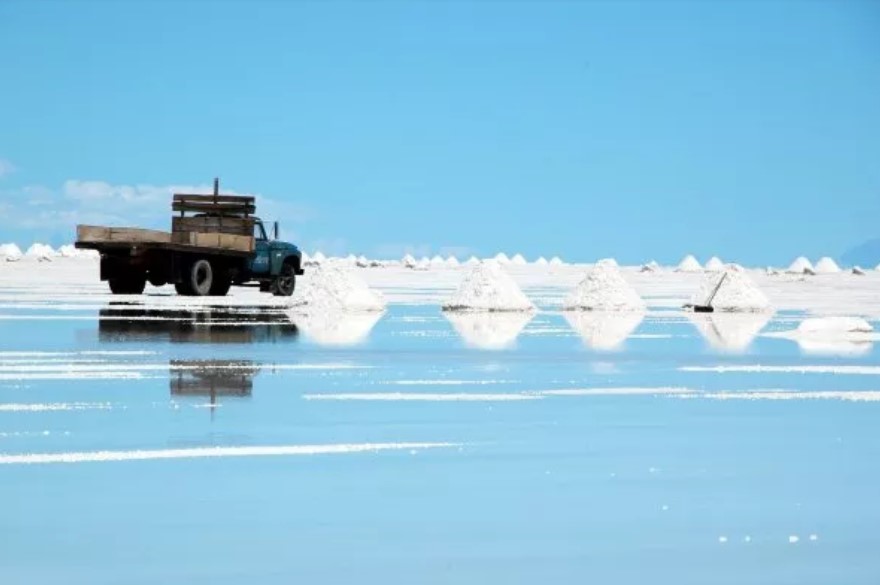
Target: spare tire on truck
pixel 197 279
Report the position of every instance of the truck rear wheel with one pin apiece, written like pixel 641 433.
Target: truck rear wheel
pixel 285 283
pixel 198 279
pixel 130 284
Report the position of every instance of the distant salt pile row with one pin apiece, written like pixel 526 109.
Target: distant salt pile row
pixel 333 287
pixel 604 289
pixel 730 290
pixel 43 252
pixel 488 288
pixel 825 265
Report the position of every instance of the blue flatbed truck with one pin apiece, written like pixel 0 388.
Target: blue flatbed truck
pixel 219 245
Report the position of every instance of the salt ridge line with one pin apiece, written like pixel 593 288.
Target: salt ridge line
pixel 447 382
pixel 424 397
pixel 849 370
pixel 16 354
pixel 119 375
pixel 55 406
pixel 850 396
pixel 206 452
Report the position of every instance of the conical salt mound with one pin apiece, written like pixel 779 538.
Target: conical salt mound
pixel 501 258
pixel 488 288
pixel 335 287
pixel 519 260
pixel 541 261
pixel 689 264
pixel 10 252
pixel 472 261
pixel 730 291
pixel 423 264
pixel 604 289
pixel 651 266
pixel 408 261
pixel 452 262
pixel 826 266
pixel 437 262
pixel 68 251
pixel 858 270
pixel 556 261
pixel 714 264
pixel 800 266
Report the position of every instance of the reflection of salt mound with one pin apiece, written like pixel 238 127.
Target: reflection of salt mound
pixel 714 264
pixel 689 264
pixel 489 330
pixel 556 261
pixel 834 326
pixel 488 288
pixel 729 331
pixel 800 266
pixel 501 258
pixel 604 289
pixel 10 252
pixel 336 327
pixel 541 261
pixel 472 261
pixel 333 287
pixel 733 291
pixel 826 265
pixel 452 262
pixel 603 330
pixel 41 252
pixel 519 260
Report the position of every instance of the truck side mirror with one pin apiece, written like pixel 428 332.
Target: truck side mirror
pixel 275 230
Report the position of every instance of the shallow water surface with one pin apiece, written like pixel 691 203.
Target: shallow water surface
pixel 223 445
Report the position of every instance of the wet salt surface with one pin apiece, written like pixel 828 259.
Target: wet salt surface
pixel 237 444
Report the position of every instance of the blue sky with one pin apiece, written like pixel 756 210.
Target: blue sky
pixel 750 130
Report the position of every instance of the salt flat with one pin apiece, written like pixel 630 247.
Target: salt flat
pixel 156 438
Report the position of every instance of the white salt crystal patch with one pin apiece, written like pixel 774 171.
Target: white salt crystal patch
pixel 689 264
pixel 814 537
pixel 604 289
pixel 800 265
pixel 834 326
pixel 808 369
pixel 722 539
pixel 793 539
pixel 846 396
pixel 488 288
pixel 747 538
pixel 518 260
pixel 826 265
pixel 489 330
pixel 332 286
pixel 604 330
pixel 832 335
pixel 733 291
pixel 714 264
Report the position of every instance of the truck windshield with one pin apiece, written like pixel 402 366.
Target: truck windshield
pixel 259 232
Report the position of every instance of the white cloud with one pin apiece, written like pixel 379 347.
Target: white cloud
pixel 6 167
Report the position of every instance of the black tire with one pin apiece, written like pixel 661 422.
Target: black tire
pixel 131 284
pixel 285 283
pixel 200 277
pixel 183 289
pixel 157 279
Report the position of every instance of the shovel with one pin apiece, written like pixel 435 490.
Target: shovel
pixel 708 308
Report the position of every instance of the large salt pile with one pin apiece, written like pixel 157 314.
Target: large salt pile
pixel 800 266
pixel 452 262
pixel 832 335
pixel 604 289
pixel 319 258
pixel 334 287
pixel 409 261
pixel 556 261
pixel 689 264
pixel 826 265
pixel 714 264
pixel 488 288
pixel 603 330
pixel 519 260
pixel 541 261
pixel 489 330
pixel 730 291
pixel 10 252
pixel 501 258
pixel 41 252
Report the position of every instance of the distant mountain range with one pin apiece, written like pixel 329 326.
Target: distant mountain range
pixel 866 255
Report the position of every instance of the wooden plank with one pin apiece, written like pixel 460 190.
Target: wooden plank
pixel 87 233
pixel 226 225
pixel 242 199
pixel 215 240
pixel 227 208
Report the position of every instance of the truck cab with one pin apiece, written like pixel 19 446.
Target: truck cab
pixel 275 263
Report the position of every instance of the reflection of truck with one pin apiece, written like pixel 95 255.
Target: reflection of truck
pixel 219 245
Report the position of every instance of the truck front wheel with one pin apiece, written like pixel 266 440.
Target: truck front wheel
pixel 285 282
pixel 130 284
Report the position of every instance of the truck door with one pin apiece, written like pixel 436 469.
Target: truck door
pixel 260 261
